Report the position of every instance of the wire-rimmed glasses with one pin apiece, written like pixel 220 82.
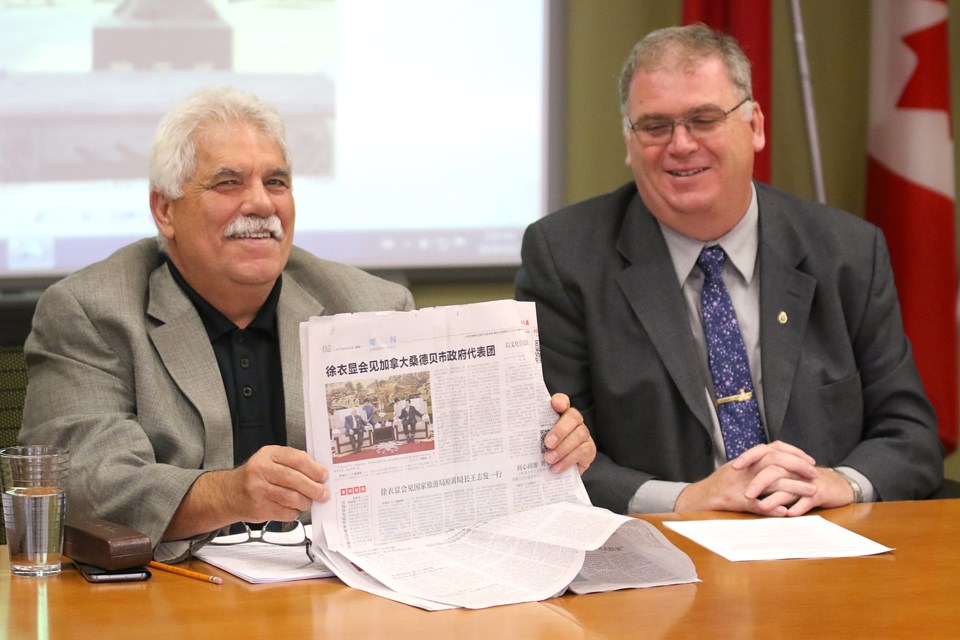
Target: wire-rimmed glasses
pixel 275 532
pixel 656 130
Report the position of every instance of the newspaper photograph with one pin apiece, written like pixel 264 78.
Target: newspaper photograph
pixel 431 423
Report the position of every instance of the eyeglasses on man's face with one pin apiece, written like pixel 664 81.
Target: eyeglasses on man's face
pixel 282 534
pixel 701 122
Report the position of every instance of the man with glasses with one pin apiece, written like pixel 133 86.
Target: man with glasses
pixel 731 346
pixel 171 370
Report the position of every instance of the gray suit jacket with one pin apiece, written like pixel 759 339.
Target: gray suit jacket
pixel 838 377
pixel 123 374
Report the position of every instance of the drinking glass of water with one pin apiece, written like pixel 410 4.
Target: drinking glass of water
pixel 34 502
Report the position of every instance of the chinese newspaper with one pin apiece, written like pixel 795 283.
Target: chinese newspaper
pixel 431 423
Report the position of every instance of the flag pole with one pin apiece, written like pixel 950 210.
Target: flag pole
pixel 809 110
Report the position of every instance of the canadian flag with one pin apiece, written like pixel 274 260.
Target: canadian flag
pixel 910 185
pixel 749 22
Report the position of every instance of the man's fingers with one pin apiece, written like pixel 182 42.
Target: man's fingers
pixel 560 402
pixel 772 478
pixel 569 420
pixel 802 506
pixel 582 456
pixel 286 476
pixel 797 451
pixel 300 461
pixel 777 451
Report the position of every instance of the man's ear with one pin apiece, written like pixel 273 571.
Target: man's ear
pixel 162 209
pixel 756 125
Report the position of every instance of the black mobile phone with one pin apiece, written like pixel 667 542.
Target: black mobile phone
pixel 96 574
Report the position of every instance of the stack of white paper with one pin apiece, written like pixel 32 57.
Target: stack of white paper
pixel 262 562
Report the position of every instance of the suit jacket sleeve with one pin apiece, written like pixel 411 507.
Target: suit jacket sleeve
pixel 874 417
pixel 565 352
pixel 839 377
pixel 82 396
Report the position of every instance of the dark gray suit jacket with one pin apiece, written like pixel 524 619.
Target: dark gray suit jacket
pixel 122 372
pixel 838 377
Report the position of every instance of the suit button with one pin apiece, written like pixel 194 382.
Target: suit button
pixel 247 392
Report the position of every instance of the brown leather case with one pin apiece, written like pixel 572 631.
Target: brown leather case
pixel 105 544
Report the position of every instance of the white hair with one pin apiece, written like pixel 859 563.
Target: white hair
pixel 173 157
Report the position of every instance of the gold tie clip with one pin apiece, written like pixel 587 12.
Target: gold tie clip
pixel 743 396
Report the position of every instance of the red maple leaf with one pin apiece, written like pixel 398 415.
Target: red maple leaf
pixel 929 86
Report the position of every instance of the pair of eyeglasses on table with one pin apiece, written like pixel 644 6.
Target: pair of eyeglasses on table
pixel 282 534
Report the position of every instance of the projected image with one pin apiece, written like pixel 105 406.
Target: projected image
pixel 414 142
pixel 138 36
pixel 85 83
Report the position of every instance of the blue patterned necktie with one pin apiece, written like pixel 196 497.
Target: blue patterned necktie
pixel 736 405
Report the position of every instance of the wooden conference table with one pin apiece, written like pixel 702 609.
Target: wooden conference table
pixel 912 592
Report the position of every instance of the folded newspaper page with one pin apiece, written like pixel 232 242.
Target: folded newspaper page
pixel 431 423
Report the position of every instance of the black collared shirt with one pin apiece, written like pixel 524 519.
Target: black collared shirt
pixel 249 362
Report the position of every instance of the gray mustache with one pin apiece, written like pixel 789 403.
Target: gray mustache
pixel 246 225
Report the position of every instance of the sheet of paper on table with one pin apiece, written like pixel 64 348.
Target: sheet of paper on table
pixel 777 538
pixel 259 562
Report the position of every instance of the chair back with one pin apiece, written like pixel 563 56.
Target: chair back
pixel 15 319
pixel 13 391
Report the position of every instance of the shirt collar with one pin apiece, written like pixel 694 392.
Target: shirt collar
pixel 217 324
pixel 740 244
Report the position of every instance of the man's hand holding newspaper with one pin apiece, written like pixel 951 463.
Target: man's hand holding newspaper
pixel 463 488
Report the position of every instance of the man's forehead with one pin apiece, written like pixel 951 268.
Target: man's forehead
pixel 677 56
pixel 218 157
pixel 684 63
pixel 219 137
pixel 671 84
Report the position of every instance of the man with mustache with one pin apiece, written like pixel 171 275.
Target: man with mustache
pixel 173 372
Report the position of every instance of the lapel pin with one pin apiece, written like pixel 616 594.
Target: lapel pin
pixel 782 318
